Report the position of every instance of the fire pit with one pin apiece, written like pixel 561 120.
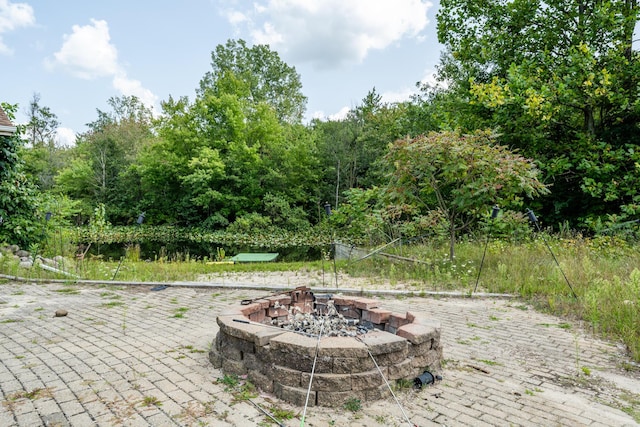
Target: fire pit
pixel 273 340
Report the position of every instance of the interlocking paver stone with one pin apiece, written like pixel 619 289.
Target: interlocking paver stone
pixel 100 365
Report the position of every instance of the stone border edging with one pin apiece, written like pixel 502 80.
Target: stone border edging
pixel 346 291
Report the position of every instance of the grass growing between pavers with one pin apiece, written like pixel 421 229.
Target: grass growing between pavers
pixel 18 397
pixel 179 312
pixel 631 405
pixel 240 388
pixel 151 401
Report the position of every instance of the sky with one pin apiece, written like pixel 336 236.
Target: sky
pixel 76 54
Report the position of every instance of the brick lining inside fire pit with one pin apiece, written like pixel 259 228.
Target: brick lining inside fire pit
pixel 278 361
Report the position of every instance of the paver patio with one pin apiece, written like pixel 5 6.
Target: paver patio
pixel 135 357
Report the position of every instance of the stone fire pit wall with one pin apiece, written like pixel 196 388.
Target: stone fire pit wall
pixel 278 361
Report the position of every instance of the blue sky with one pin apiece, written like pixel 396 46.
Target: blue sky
pixel 78 54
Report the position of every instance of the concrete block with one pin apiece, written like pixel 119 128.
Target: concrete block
pixel 337 398
pixel 417 334
pixel 327 382
pixel 368 380
pixel 376 315
pixel 296 396
pixel 383 342
pixel 341 347
pixel 366 303
pixel 287 376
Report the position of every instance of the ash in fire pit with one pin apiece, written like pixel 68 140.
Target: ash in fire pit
pixel 323 321
pixel 274 341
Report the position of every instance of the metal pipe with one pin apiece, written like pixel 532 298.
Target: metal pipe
pixel 266 413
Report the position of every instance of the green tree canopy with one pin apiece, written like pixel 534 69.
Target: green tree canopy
pixel 18 201
pixel 256 74
pixel 559 79
pixel 456 177
pixel 102 168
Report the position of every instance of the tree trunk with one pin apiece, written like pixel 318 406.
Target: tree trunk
pixel 589 124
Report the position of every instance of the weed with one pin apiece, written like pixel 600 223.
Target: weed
pixel 112 304
pixel 353 404
pixel 529 392
pixel 109 295
pixel 490 362
pixel 492 317
pixel 381 419
pixel 67 291
pixel 245 392
pixel 586 370
pixel 38 309
pixel 403 384
pixel 17 293
pixel 36 393
pixel 124 320
pixel 230 381
pixel 194 411
pixel 11 321
pixel 629 367
pixel 179 312
pixel 151 401
pixel 192 349
pixel 556 325
pixel 281 414
pixel 634 405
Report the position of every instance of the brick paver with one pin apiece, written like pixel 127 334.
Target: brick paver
pixel 134 357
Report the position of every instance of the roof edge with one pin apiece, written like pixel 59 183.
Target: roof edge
pixel 7 130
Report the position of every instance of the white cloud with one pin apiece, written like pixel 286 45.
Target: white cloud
pixel 340 115
pixel 89 54
pixel 405 94
pixel 329 33
pixel 388 97
pixel 235 18
pixel 13 16
pixel 65 137
pixel 131 87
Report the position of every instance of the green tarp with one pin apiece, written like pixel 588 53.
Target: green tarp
pixel 259 257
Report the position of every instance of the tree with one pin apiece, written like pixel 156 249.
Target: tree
pixel 560 80
pixel 457 176
pixel 43 158
pixel 220 156
pixel 102 168
pixel 351 149
pixel 18 201
pixel 256 74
